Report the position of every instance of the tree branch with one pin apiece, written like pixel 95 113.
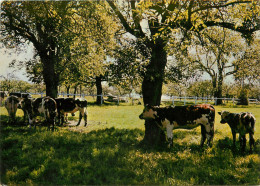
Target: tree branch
pixel 121 18
pixel 136 20
pixel 220 6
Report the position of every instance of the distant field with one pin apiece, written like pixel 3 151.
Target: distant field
pixel 109 151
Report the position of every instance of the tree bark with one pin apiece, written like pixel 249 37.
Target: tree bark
pixel 99 89
pixel 51 79
pixel 68 90
pixel 152 90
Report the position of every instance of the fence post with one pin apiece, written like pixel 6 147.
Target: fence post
pixel 184 100
pixel 101 99
pixel 215 99
pixel 195 100
pixel 117 99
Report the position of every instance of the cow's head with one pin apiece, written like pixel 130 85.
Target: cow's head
pixel 149 112
pixel 224 116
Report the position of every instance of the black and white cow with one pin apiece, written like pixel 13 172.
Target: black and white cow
pixel 69 105
pixel 242 123
pixel 11 104
pixel 183 117
pixel 45 105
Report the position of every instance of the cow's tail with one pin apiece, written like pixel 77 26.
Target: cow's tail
pixel 212 119
pixel 252 122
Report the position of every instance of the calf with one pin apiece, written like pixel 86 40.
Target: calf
pixel 69 105
pixel 183 117
pixel 46 106
pixel 242 123
pixel 11 104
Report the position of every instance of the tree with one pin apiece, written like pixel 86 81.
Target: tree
pixel 43 24
pixel 72 39
pixel 201 88
pixel 213 50
pixel 155 22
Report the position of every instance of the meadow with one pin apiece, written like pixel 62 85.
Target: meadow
pixel 110 151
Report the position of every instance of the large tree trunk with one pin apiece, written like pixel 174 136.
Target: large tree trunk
pixel 152 90
pixel 99 89
pixel 51 79
pixel 217 87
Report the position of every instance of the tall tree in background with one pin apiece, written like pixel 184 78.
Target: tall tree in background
pixel 215 47
pixel 42 24
pixel 72 39
pixel 156 23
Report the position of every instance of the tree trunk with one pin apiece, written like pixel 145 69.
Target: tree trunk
pixel 152 90
pixel 68 90
pixel 75 91
pixel 51 79
pixel 99 89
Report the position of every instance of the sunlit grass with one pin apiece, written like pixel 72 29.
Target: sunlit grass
pixel 109 151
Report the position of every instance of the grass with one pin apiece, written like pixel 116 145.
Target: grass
pixel 109 151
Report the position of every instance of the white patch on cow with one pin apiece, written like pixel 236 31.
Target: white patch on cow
pixel 169 129
pixel 203 120
pixel 150 114
pixel 165 123
pixel 41 109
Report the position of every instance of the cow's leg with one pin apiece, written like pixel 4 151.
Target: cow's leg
pixel 242 139
pixel 62 119
pixel 209 133
pixel 251 141
pixel 203 135
pixel 85 117
pixel 169 129
pixel 82 113
pixel 80 117
pixel 234 138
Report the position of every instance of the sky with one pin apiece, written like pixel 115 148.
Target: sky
pixel 8 55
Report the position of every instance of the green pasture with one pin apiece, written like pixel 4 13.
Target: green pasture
pixel 109 151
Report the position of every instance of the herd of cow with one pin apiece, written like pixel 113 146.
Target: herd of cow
pixel 169 118
pixel 51 109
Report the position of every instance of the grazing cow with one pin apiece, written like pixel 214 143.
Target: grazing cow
pixel 46 106
pixel 183 117
pixel 69 105
pixel 242 123
pixel 11 104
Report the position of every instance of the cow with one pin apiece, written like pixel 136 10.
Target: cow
pixel 183 117
pixel 11 104
pixel 21 96
pixel 69 105
pixel 45 105
pixel 242 123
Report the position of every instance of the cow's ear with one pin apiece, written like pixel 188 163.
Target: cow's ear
pixel 219 113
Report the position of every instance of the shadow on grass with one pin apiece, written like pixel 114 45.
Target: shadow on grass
pixel 111 156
